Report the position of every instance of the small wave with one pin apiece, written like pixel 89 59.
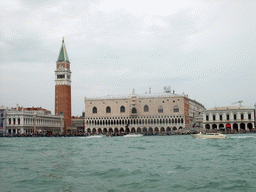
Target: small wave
pixel 182 167
pixel 132 185
pixel 24 168
pixel 111 173
pixel 123 156
pixel 6 145
pixel 171 172
pixel 51 175
pixel 238 184
pixel 149 142
pixel 111 190
pixel 136 172
pixel 143 148
pixel 153 175
pixel 152 180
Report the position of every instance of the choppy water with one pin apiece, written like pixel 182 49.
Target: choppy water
pixel 157 163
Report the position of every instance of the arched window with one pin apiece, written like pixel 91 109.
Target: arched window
pixel 160 109
pixel 176 109
pixel 146 108
pixel 94 110
pixel 134 110
pixel 122 109
pixel 108 109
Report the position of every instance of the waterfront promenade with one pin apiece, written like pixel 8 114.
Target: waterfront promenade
pixel 175 132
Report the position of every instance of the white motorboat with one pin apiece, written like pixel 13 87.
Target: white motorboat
pixel 209 136
pixel 95 136
pixel 133 135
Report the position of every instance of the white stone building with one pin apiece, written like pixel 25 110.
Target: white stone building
pixel 2 120
pixel 146 113
pixel 232 118
pixel 27 122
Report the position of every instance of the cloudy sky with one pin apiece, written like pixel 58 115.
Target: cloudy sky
pixel 205 48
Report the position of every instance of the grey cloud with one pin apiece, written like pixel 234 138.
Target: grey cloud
pixel 209 56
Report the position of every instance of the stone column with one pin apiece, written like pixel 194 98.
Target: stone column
pixel 34 124
pixel 246 126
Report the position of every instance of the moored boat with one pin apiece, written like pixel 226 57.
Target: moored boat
pixel 209 136
pixel 133 135
pixel 95 136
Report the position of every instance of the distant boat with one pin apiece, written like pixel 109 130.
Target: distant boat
pixel 133 135
pixel 95 136
pixel 209 136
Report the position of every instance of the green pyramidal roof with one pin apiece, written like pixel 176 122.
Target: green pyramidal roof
pixel 63 56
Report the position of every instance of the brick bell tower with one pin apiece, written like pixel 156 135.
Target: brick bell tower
pixel 63 87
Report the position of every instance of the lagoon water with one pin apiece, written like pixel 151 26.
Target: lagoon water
pixel 153 163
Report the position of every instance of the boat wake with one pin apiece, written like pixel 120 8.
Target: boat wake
pixel 242 137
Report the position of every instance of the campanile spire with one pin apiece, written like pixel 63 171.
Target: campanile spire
pixel 63 55
pixel 63 86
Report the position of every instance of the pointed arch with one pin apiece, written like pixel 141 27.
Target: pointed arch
pixel 108 109
pixel 176 109
pixel 146 109
pixel 94 110
pixel 110 130
pixel 116 130
pixel 134 110
pixel 122 109
pixel 160 109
